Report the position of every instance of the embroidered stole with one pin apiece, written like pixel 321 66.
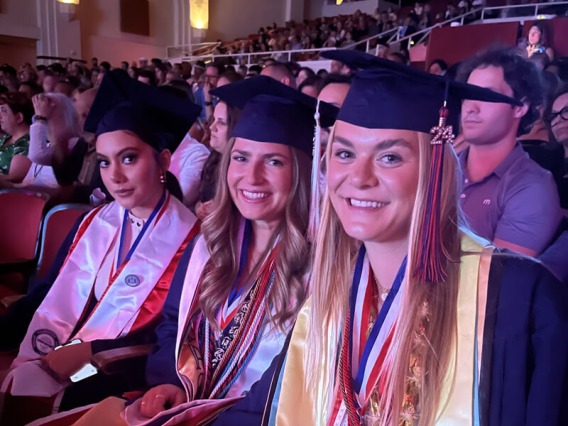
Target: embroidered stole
pixel 293 400
pixel 209 364
pixel 133 298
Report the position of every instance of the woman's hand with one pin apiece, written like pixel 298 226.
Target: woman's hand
pixel 43 105
pixel 66 361
pixel 161 398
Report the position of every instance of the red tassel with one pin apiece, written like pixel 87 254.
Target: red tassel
pixel 432 259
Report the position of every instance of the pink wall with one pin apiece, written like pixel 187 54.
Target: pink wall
pixel 454 44
pixel 17 51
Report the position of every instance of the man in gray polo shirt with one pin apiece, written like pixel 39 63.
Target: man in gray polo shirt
pixel 506 197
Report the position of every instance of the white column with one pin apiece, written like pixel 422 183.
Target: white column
pixel 47 23
pixel 60 32
pixel 182 28
pixel 294 10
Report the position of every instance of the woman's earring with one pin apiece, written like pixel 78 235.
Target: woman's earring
pixel 163 178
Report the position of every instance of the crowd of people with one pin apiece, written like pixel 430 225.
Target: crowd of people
pixel 297 247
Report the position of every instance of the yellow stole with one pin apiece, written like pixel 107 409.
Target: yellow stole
pixel 296 404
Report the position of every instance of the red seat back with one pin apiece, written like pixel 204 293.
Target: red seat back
pixel 20 220
pixel 56 225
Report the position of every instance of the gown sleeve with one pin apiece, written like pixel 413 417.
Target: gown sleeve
pixel 529 347
pixel 161 367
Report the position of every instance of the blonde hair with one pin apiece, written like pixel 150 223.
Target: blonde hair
pixel 220 230
pixel 330 286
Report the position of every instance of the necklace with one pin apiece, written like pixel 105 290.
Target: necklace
pixel 383 291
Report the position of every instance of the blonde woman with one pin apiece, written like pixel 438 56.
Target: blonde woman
pixel 411 320
pixel 234 300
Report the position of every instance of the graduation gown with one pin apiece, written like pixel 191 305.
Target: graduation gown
pixel 523 379
pixel 93 322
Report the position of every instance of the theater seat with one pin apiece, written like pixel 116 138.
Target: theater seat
pixel 20 219
pixel 56 225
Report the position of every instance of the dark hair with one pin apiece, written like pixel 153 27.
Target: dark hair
pixel 552 84
pixel 208 182
pixel 519 73
pixel 562 90
pixel 257 69
pixel 34 87
pixel 335 78
pixel 232 76
pixel 149 74
pixel 9 69
pixel 219 67
pixel 323 72
pixel 18 103
pixel 309 72
pixel 181 86
pixel 313 81
pixel 173 186
pixel 57 68
pixel 441 63
pixel 105 65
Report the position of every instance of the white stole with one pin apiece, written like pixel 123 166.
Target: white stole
pixel 117 309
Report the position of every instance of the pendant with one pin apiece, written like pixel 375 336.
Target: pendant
pixel 384 295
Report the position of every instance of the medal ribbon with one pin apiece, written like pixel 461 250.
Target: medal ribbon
pixel 360 301
pixel 154 213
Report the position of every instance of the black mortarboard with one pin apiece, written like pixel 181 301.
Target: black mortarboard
pixel 386 95
pixel 389 96
pixel 159 118
pixel 274 112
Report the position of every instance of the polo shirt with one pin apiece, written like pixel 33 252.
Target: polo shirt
pixel 518 202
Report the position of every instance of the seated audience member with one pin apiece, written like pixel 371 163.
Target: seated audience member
pixel 506 197
pixel 311 86
pixel 213 72
pixel 303 74
pixel 30 89
pixel 50 80
pixel 438 67
pixel 557 120
pixel 536 42
pixel 281 73
pixel 223 321
pixel 53 135
pixel 187 162
pixel 113 283
pixel 538 141
pixel 225 117
pixel 55 130
pixel 334 90
pixel 147 76
pixel 16 112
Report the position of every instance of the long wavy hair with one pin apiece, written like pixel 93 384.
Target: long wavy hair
pixel 220 230
pixel 330 288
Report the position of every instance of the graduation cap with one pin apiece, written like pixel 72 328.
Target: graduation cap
pixel 274 112
pixel 159 118
pixel 386 95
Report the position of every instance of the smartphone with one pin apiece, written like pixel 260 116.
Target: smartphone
pixel 84 372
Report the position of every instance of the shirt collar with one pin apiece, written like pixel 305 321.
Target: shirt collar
pixel 502 168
